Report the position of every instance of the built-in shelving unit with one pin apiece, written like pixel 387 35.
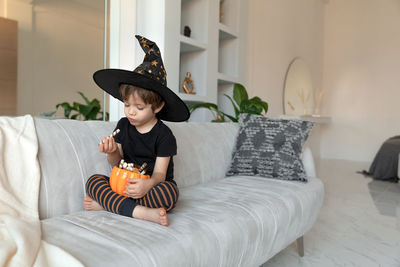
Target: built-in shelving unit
pixel 214 52
pixel 191 45
pixel 224 79
pixel 226 33
pixel 194 50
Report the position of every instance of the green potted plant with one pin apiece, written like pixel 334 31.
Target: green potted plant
pixel 240 102
pixel 77 111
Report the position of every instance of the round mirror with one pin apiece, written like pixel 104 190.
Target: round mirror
pixel 298 93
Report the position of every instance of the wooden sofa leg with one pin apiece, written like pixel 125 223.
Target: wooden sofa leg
pixel 300 246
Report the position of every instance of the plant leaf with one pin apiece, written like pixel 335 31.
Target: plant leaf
pixel 95 103
pixel 265 106
pixel 259 103
pixel 75 106
pixel 93 113
pixel 85 110
pixel 239 93
pixel 216 120
pixel 234 106
pixel 67 108
pixel 255 99
pixel 248 106
pixel 75 116
pixel 84 97
pixel 210 106
pixel 230 117
pixel 89 111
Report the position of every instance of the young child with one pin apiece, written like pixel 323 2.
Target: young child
pixel 143 138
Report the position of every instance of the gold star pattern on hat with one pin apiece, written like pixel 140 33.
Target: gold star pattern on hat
pixel 143 42
pixel 152 65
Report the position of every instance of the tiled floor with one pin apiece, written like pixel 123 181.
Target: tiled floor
pixel 359 223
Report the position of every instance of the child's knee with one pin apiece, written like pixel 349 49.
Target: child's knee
pixel 93 180
pixel 90 181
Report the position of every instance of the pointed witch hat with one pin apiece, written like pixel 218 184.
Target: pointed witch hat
pixel 150 75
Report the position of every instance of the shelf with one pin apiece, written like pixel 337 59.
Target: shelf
pixel 193 14
pixel 194 62
pixel 314 118
pixel 226 32
pixel 191 45
pixel 225 79
pixel 192 98
pixel 227 62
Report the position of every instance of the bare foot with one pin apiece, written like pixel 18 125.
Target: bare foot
pixel 153 215
pixel 90 204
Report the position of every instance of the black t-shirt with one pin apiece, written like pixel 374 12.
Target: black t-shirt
pixel 139 148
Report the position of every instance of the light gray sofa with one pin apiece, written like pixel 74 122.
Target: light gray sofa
pixel 218 221
pixel 398 167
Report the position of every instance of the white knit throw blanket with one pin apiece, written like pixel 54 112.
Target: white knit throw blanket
pixel 20 233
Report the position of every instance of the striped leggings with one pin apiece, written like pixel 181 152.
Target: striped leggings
pixel 163 195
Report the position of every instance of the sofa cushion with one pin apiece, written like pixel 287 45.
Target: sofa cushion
pixel 270 148
pixel 69 155
pixel 204 151
pixel 237 221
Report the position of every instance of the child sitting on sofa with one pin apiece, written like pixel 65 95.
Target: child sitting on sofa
pixel 143 138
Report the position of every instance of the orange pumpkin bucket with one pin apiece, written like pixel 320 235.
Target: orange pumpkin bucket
pixel 119 179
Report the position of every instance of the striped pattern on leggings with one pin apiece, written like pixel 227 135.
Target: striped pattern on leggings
pixel 163 195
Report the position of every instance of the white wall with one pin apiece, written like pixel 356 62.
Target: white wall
pixel 361 77
pixel 279 31
pixel 60 46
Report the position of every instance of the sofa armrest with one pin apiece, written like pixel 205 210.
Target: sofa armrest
pixel 308 162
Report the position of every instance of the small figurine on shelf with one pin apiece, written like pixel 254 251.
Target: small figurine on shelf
pixel 187 31
pixel 188 86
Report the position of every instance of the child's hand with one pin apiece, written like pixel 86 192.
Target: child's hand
pixel 138 188
pixel 108 145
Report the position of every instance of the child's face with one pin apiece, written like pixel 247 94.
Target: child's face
pixel 137 112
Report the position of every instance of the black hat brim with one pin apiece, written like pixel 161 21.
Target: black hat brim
pixel 110 80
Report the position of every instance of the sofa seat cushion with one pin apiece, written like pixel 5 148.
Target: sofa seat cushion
pixel 236 221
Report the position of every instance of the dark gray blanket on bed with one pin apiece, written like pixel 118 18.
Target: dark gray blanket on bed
pixel 384 167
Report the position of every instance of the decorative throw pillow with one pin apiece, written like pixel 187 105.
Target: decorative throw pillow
pixel 270 148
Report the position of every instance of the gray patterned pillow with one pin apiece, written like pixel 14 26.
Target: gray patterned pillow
pixel 270 148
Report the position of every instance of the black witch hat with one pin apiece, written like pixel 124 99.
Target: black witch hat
pixel 150 75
